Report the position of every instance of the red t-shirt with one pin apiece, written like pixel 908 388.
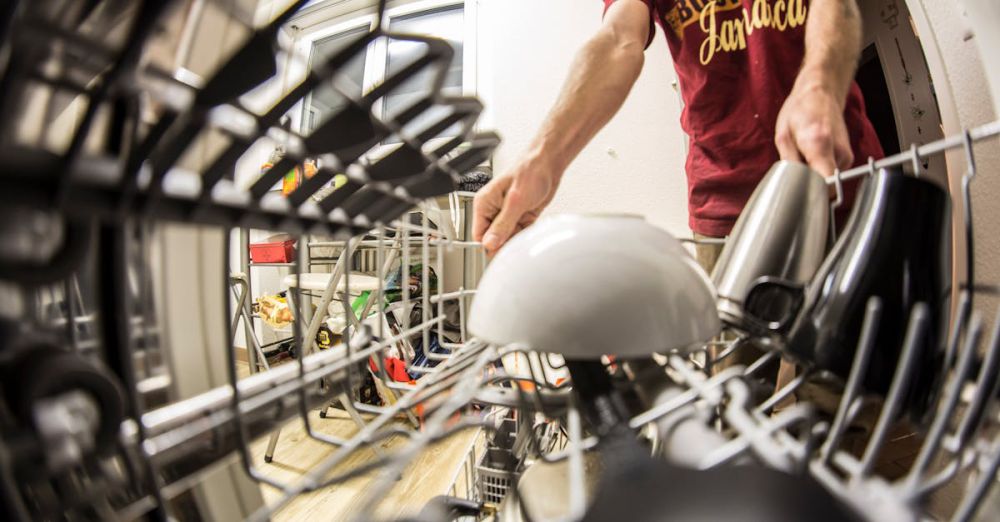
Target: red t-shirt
pixel 736 61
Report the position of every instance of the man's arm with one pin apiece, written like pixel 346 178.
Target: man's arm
pixel 810 126
pixel 600 78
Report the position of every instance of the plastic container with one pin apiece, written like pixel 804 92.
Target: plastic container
pixel 495 473
pixel 273 251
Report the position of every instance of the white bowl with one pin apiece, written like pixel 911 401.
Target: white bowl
pixel 585 286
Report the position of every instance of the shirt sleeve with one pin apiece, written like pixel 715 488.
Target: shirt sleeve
pixel 652 18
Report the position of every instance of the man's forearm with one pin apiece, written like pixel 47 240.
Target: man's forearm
pixel 833 42
pixel 600 78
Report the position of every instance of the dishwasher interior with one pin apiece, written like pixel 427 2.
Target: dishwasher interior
pixel 121 398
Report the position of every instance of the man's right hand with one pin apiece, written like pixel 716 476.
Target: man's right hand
pixel 599 80
pixel 512 202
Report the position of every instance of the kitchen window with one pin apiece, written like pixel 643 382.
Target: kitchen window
pixel 447 19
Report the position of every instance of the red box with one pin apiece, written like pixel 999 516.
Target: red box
pixel 273 252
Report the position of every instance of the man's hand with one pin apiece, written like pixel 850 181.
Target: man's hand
pixel 601 75
pixel 811 129
pixel 810 126
pixel 510 203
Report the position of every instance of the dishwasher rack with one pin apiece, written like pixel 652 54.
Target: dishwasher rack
pixel 96 420
pixel 116 442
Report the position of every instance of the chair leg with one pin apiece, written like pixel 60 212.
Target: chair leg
pixel 271 443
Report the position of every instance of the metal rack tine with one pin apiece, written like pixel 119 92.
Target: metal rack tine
pixel 950 398
pixel 915 155
pixel 425 282
pixel 987 384
pixel 380 14
pixel 345 302
pixel 758 437
pixel 71 315
pixel 780 395
pixel 575 485
pixel 404 274
pixel 839 189
pixel 859 366
pixel 439 263
pixel 687 396
pixel 970 238
pixel 988 469
pixel 916 329
pixel 957 327
pixel 730 349
pixel 753 367
pixel 837 202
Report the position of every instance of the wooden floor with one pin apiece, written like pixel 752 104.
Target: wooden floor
pixel 429 475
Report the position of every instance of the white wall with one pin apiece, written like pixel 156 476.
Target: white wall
pixel 634 165
pixel 965 101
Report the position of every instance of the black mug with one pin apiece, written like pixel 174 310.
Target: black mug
pixel 896 246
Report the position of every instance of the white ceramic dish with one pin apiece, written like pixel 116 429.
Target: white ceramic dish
pixel 584 286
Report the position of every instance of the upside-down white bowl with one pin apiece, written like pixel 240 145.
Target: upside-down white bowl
pixel 590 285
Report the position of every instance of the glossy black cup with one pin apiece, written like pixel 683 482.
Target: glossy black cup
pixel 897 247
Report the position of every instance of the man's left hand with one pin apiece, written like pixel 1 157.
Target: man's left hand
pixel 811 129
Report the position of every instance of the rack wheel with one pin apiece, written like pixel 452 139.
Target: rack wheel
pixel 322 413
pixel 42 371
pixel 268 459
pixel 69 254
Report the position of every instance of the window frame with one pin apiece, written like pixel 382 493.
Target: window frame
pixel 376 57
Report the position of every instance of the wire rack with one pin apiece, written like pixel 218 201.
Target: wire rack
pixel 107 192
pixel 91 305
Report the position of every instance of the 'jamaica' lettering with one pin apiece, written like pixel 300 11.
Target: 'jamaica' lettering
pixel 731 35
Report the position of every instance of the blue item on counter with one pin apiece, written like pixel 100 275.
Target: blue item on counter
pixel 420 358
